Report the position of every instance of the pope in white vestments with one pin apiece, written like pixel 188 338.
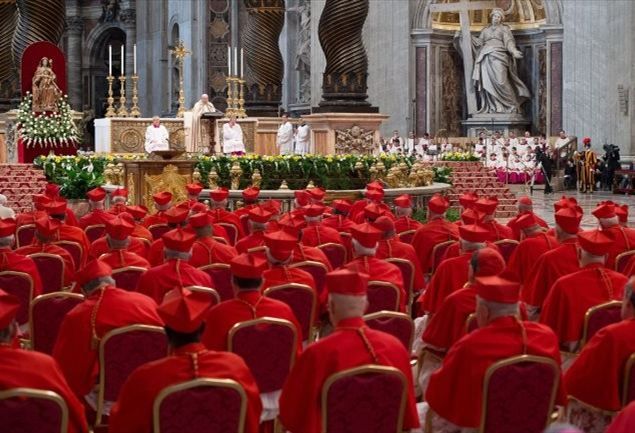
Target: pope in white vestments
pixel 233 138
pixel 284 140
pixel 200 138
pixel 302 139
pixel 156 136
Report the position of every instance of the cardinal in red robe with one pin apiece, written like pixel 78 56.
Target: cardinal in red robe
pixel 352 344
pixel 67 232
pixel 52 191
pixel 162 202
pixel 403 213
pixel 183 312
pixel 625 420
pixel 315 233
pixel 27 369
pixel 258 219
pixel 98 214
pixel 118 236
pixel 118 199
pixel 572 295
pixel 434 232
pixel 500 335
pixel 104 309
pixel 525 206
pixel 220 215
pixel 623 238
pixel 14 262
pixel 488 206
pixel 206 250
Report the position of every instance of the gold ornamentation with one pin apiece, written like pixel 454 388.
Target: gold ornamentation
pixel 131 189
pixel 218 82
pixel 108 173
pixel 169 180
pixel 180 52
pixel 110 111
pixel 196 176
pixel 134 110
pixel 310 185
pixel 235 173
pixel 354 140
pixel 218 28
pixel 128 135
pixel 284 185
pixel 45 89
pixel 123 111
pixel 212 179
pixel 256 178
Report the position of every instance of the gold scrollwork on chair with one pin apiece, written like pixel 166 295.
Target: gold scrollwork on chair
pixel 130 140
pixel 169 180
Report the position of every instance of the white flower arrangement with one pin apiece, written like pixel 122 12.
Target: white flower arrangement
pixel 54 129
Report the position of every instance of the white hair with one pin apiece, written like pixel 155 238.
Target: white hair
pixel 275 261
pixel 525 207
pixel 361 250
pixel 6 241
pixel 403 211
pixel 346 306
pixel 586 258
pixel 256 226
pixel 609 222
pixel 3 199
pixel 155 118
pixel 561 234
pixel 498 309
pixel 204 95
pixel 117 244
pixel 309 219
pixel 172 254
pixel 471 246
pixel 118 199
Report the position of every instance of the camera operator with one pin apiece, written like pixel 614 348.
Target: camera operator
pixel 543 159
pixel 612 162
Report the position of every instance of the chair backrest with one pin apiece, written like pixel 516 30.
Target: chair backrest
pixel 121 351
pixel 365 399
pixel 74 249
pixel 268 346
pixel 46 315
pixel 222 279
pixel 127 277
pixel 628 383
pixel 407 269
pixel 144 241
pixel 201 405
pixel 244 222
pixel 598 317
pixel 437 253
pixel 407 236
pixel 519 394
pixel 301 299
pixel 232 232
pixel 382 295
pixel 158 230
pixel 95 231
pixel 24 235
pixel 317 270
pixel 52 267
pixel 32 410
pixel 622 260
pixel 220 239
pixel 20 285
pixel 213 294
pixel 471 324
pixel 336 253
pixel 506 247
pixel 399 325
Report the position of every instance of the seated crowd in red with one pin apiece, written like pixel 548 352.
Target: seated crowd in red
pixel 261 318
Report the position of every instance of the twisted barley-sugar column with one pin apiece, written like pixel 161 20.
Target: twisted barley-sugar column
pixel 263 58
pixel 37 21
pixel 8 21
pixel 340 33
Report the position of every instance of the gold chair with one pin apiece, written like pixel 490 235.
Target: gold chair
pixel 59 304
pixel 622 260
pixel 127 277
pixel 506 247
pixel 47 265
pixel 24 396
pixel 336 253
pixel 20 285
pixel 305 311
pixel 399 325
pixel 382 295
pixel 407 269
pixel 211 292
pixel 75 250
pixel 437 254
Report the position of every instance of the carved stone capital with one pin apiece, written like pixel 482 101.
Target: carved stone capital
pixel 75 24
pixel 265 5
pixel 128 16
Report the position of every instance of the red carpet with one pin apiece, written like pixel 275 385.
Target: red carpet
pixel 18 182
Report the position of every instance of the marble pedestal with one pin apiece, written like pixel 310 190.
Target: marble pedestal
pixel 496 122
pixel 325 139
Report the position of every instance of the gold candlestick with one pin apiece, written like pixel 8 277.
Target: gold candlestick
pixel 180 52
pixel 122 112
pixel 230 97
pixel 241 98
pixel 134 110
pixel 110 111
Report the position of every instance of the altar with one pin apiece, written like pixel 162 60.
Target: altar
pixel 127 134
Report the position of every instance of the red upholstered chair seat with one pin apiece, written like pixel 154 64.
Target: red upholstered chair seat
pixel 24 235
pixel 25 410
pixel 628 386
pixel 519 394
pixel 407 272
pixel 622 260
pixel 47 313
pixel 407 236
pixel 244 222
pixel 128 277
pixel 232 232
pixel 399 325
pixel 200 406
pixel 336 253
pixel 268 347
pixel 317 270
pixel 122 351
pixel 382 296
pixel 19 285
pixel 438 252
pixel 302 301
pixel 506 247
pixel 51 269
pixel 221 278
pixel 158 230
pixel 599 317
pixel 367 399
pixel 74 249
pixel 94 232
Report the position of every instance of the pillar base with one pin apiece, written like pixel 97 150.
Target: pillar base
pixel 345 133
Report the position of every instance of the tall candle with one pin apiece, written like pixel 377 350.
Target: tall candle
pixel 123 69
pixel 242 63
pixel 110 60
pixel 229 60
pixel 134 61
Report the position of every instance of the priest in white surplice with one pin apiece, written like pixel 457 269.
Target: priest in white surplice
pixel 284 140
pixel 233 143
pixel 156 136
pixel 200 137
pixel 302 138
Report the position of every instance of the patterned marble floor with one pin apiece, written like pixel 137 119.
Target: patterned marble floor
pixel 543 204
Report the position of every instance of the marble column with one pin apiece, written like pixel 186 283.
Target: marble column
pixel 75 27
pixel 344 82
pixel 129 19
pixel 264 65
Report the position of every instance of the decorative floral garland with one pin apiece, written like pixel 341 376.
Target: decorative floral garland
pixel 460 156
pixel 47 129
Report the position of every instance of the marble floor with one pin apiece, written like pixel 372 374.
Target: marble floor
pixel 543 204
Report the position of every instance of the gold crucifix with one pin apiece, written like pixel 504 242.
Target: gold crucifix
pixel 180 52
